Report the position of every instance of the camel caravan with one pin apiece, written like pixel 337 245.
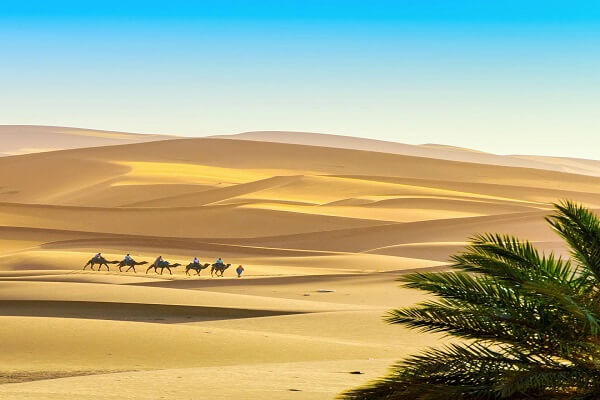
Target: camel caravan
pixel 218 268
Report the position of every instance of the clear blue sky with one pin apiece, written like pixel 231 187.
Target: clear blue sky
pixel 502 76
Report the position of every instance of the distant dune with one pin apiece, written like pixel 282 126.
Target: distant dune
pixel 323 228
pixel 23 139
pixel 438 151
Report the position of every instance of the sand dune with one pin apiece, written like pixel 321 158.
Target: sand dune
pixel 215 221
pixel 23 139
pixel 528 225
pixel 575 165
pixel 323 229
pixel 295 380
pixel 430 150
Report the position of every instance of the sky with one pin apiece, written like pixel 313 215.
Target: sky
pixel 509 77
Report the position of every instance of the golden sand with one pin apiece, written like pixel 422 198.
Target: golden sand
pixel 322 234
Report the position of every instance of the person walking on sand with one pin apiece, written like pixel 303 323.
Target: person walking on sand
pixel 239 271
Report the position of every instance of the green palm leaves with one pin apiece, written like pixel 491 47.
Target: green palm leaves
pixel 529 323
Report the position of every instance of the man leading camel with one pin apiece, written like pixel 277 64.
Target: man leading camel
pixel 239 270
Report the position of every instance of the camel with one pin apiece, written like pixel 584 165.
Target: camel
pixel 196 267
pixel 131 263
pixel 162 265
pixel 219 269
pixel 100 260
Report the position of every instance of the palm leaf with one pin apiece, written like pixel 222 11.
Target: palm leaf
pixel 529 323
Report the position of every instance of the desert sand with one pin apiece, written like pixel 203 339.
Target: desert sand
pixel 322 231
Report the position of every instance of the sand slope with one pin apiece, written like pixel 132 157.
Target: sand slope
pixel 323 233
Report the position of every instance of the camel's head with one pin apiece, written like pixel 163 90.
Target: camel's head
pixel 144 262
pixel 175 265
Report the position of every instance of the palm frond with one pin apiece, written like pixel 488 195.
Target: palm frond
pixel 529 323
pixel 580 228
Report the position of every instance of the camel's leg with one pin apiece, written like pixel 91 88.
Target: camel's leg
pixel 187 271
pixel 85 266
pixel 170 273
pixel 149 268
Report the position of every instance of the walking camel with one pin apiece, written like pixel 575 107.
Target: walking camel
pixel 219 269
pixel 99 260
pixel 162 265
pixel 196 267
pixel 131 263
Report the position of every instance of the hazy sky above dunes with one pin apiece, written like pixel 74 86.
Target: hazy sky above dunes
pixel 501 76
